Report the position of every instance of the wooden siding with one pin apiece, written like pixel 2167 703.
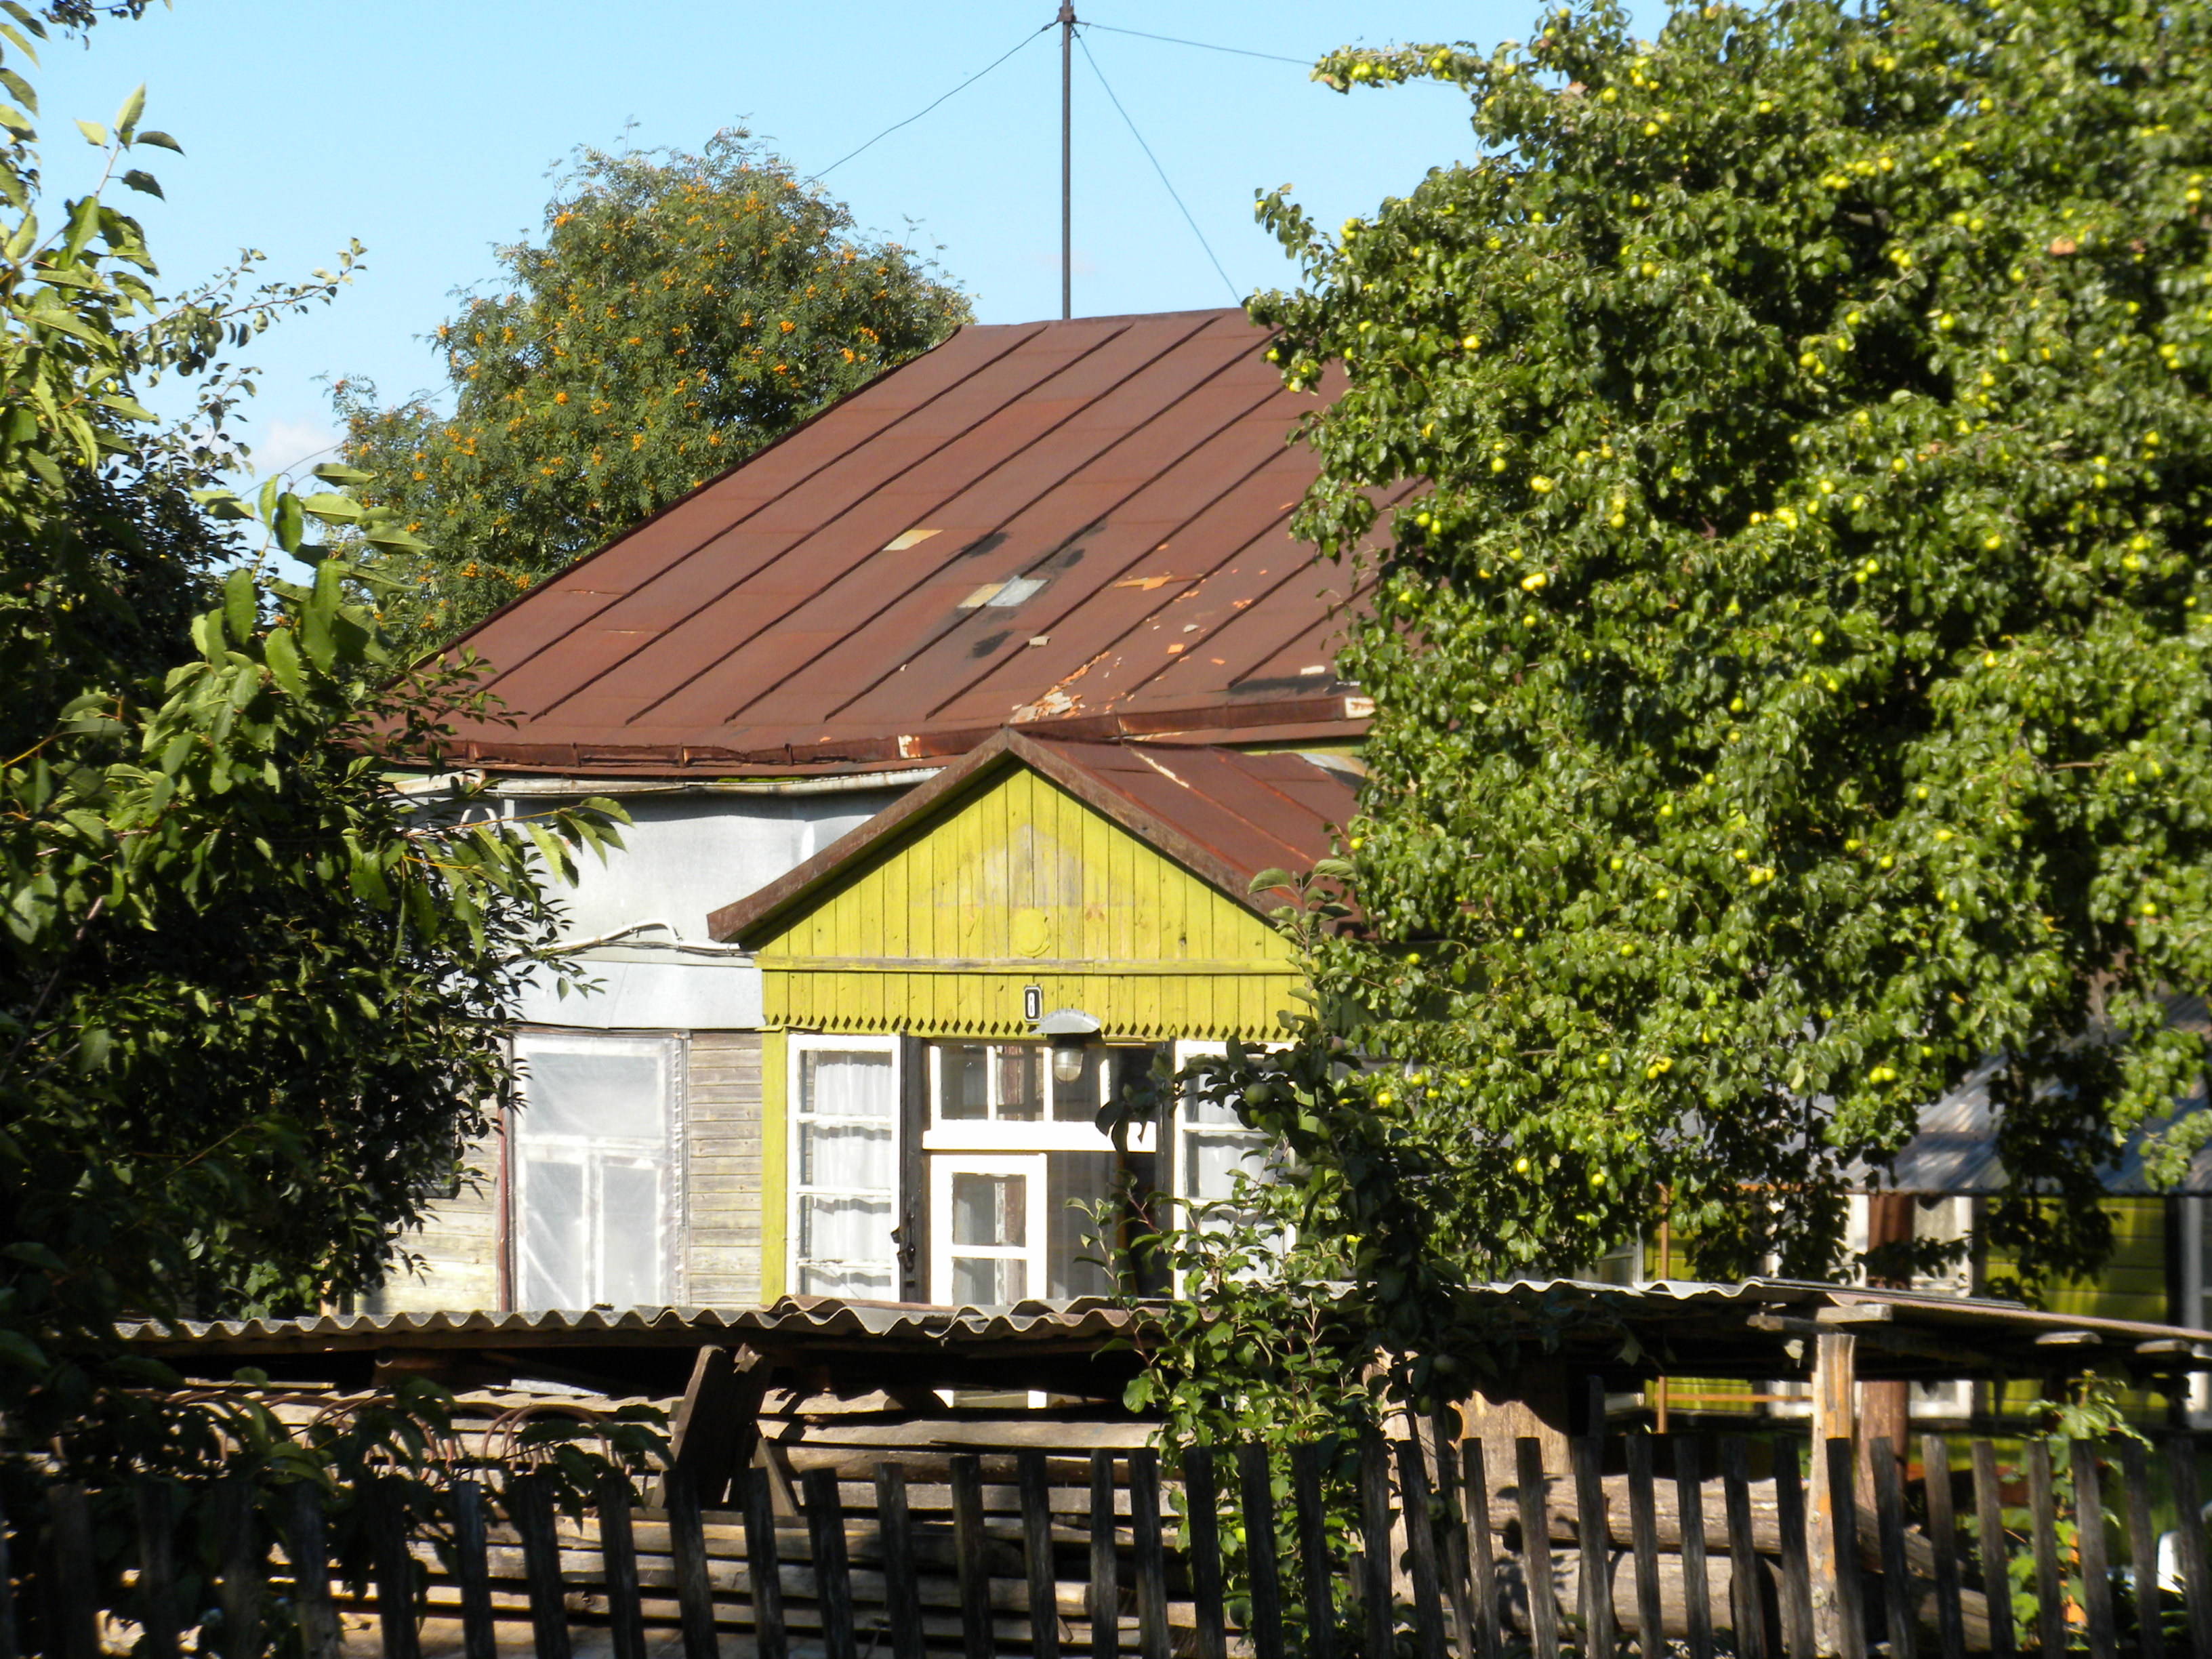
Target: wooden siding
pixel 1020 884
pixel 722 1168
pixel 459 1244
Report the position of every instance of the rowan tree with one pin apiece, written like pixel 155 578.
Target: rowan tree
pixel 682 310
pixel 1790 664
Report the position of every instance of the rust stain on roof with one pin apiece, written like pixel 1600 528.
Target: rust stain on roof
pixel 938 555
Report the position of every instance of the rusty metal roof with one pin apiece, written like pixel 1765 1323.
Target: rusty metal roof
pixel 1079 526
pixel 1223 814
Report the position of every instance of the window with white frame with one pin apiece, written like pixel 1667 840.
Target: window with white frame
pixel 594 1175
pixel 1213 1145
pixel 844 1163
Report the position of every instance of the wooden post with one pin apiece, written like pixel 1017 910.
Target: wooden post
pixel 1533 1405
pixel 717 1427
pixel 1835 1358
pixel 1885 1408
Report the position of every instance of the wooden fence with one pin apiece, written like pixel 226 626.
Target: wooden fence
pixel 1657 1545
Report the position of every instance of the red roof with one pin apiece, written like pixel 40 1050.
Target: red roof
pixel 1223 814
pixel 1076 526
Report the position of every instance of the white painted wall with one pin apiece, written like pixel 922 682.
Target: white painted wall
pixel 684 856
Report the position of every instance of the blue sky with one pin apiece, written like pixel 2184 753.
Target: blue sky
pixel 429 132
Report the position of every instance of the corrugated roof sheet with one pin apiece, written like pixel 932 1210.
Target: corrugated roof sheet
pixel 1223 814
pixel 1075 524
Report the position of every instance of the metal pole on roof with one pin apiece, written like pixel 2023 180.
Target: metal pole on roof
pixel 1066 175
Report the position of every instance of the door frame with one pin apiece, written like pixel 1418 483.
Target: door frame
pixel 943 1166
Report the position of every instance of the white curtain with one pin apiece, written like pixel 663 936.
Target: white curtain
pixel 847 1171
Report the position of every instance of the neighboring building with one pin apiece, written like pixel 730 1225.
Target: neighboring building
pixel 1073 528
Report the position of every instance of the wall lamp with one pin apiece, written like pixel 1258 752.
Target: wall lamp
pixel 1069 1030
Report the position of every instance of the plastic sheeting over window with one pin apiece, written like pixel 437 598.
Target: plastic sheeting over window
pixel 594 1170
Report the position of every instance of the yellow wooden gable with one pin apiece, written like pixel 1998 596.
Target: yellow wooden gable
pixel 1015 882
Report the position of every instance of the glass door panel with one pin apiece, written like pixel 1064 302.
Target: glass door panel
pixel 988 1243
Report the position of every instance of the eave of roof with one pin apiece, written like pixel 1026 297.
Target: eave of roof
pixel 1182 822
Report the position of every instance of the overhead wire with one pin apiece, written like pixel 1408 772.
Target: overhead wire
pixel 919 113
pixel 1203 45
pixel 1235 296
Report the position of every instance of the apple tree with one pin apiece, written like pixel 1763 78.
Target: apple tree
pixel 1791 659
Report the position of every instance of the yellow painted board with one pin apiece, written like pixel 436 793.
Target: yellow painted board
pixel 775 1138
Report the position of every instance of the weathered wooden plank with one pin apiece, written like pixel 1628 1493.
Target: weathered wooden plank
pixel 2042 1532
pixel 242 1569
pixel 472 1569
pixel 1536 1546
pixel 76 1592
pixel 1747 1613
pixel 2189 1522
pixel 530 1507
pixel 1420 1551
pixel 619 1554
pixel 307 1546
pixel 973 1547
pixel 1035 1482
pixel 833 1580
pixel 1989 1523
pixel 1318 1571
pixel 1592 1526
pixel 1374 1551
pixel 1796 1564
pixel 763 1576
pixel 1202 1522
pixel 1943 1538
pixel 1149 1555
pixel 1889 1530
pixel 1643 1541
pixel 1844 1548
pixel 1481 1570
pixel 1105 1590
pixel 2102 1628
pixel 902 1594
pixel 2142 1548
pixel 157 1567
pixel 1689 1502
pixel 1255 1484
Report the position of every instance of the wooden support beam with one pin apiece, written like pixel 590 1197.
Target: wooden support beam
pixel 718 1425
pixel 1534 1406
pixel 1835 1417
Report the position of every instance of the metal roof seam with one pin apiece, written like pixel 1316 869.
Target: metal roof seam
pixel 875 490
pixel 721 529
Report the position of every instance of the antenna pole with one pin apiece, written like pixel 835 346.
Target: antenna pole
pixel 1066 174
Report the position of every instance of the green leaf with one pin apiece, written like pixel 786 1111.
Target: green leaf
pixel 94 134
pixel 333 508
pixel 337 473
pixel 160 140
pixel 143 182
pixel 20 89
pixel 289 523
pixel 126 118
pixel 241 604
pixel 282 653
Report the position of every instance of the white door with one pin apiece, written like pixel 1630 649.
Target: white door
pixel 987 1228
pixel 844 1161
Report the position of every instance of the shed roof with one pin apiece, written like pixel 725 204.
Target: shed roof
pixel 1074 525
pixel 1223 814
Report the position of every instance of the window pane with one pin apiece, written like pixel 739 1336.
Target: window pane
pixel 963 1081
pixel 845 1229
pixel 1021 1082
pixel 1210 1162
pixel 846 1082
pixel 844 1155
pixel 553 1231
pixel 990 1210
pixel 989 1281
pixel 845 1280
pixel 1075 1182
pixel 629 1240
pixel 609 1090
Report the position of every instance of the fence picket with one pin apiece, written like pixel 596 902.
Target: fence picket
pixel 833 1575
pixel 530 1507
pixel 1889 1531
pixel 1747 1605
pixel 1255 1483
pixel 1796 1562
pixel 1318 1572
pixel 386 1499
pixel 157 1567
pixel 1150 1557
pixel 1202 1522
pixel 1989 1522
pixel 2142 1549
pixel 1375 1552
pixel 902 1594
pixel 1105 1598
pixel 472 1571
pixel 306 1546
pixel 241 1570
pixel 618 1556
pixel 1452 1540
pixel 1696 1588
pixel 763 1566
pixel 1943 1545
pixel 686 1549
pixel 1850 1598
pixel 1594 1544
pixel 2043 1523
pixel 971 1549
pixel 1536 1546
pixel 11 1644
pixel 1034 1483
pixel 76 1592
pixel 1420 1551
pixel 2089 1535
pixel 2196 1570
pixel 1644 1539
pixel 1481 1572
